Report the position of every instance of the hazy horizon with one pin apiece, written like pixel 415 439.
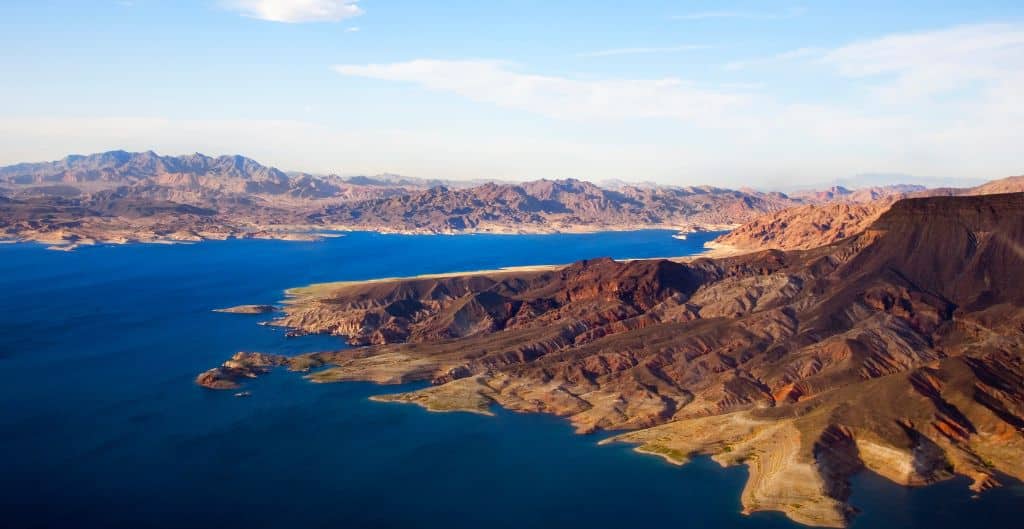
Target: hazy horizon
pixel 740 94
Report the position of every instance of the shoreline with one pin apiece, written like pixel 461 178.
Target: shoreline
pixel 712 250
pixel 69 241
pixel 295 293
pixel 497 229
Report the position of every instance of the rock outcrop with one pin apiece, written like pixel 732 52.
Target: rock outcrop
pixel 898 350
pixel 241 366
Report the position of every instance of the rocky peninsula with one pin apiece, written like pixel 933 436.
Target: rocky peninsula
pixel 898 350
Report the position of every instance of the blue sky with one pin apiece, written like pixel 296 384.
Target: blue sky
pixel 766 94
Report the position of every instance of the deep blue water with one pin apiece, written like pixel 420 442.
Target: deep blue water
pixel 102 426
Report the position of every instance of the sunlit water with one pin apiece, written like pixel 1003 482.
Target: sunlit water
pixel 102 426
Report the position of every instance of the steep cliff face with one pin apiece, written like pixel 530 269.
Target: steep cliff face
pixel 899 350
pixel 966 249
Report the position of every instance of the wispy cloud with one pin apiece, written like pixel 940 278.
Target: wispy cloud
pixel 911 67
pixel 988 46
pixel 642 51
pixel 296 11
pixel 353 29
pixel 916 65
pixel 497 83
pixel 911 102
pixel 750 15
pixel 787 56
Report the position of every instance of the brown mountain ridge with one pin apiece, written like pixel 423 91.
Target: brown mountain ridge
pixel 119 196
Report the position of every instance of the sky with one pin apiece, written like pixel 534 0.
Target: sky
pixel 760 94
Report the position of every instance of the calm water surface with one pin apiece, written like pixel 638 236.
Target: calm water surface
pixel 101 425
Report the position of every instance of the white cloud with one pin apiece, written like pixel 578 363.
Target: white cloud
pixel 561 97
pixel 914 103
pixel 641 51
pixel 294 11
pixel 912 67
pixel 749 15
pixel 352 29
pixel 921 65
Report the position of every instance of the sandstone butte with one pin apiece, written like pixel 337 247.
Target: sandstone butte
pixel 898 350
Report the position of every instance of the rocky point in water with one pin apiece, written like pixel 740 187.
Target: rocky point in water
pixel 249 309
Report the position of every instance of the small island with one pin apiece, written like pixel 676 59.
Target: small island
pixel 249 309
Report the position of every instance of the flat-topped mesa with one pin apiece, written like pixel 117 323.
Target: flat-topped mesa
pixel 966 249
pixel 899 350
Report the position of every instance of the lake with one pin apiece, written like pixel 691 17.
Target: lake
pixel 101 424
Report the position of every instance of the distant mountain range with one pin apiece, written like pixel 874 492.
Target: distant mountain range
pixel 866 180
pixel 883 179
pixel 553 205
pixel 120 196
pixel 194 172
